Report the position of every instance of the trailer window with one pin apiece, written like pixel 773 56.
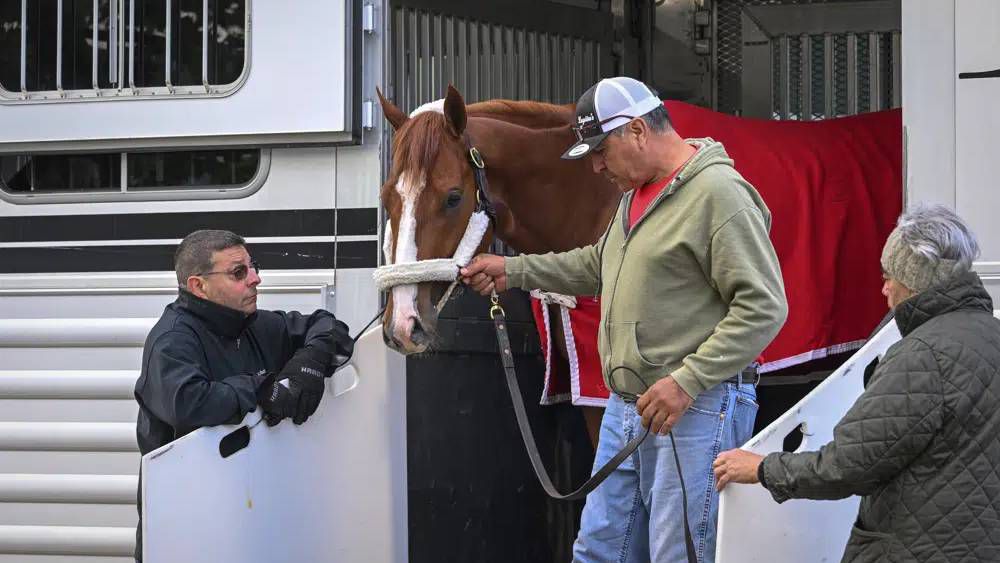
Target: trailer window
pixel 110 49
pixel 90 177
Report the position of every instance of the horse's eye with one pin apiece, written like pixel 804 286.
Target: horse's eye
pixel 454 198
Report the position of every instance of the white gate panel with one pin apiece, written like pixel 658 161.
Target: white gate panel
pixel 798 530
pixel 332 489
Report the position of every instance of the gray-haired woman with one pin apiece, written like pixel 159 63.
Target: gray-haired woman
pixel 921 445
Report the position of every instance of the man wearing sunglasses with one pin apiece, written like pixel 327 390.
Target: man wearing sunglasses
pixel 691 293
pixel 213 356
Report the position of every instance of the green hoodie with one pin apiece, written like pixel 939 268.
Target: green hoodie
pixel 693 290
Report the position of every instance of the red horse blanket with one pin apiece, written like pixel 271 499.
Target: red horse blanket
pixel 834 188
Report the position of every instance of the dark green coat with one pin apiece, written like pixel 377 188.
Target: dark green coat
pixel 922 444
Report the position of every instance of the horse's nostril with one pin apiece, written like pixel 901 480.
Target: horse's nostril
pixel 418 335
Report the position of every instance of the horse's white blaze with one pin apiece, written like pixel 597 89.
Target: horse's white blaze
pixel 404 250
pixel 387 242
pixel 404 297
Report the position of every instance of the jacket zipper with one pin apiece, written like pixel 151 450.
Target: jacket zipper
pixel 627 233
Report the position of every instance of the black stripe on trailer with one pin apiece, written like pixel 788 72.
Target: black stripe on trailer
pixel 156 258
pixel 143 226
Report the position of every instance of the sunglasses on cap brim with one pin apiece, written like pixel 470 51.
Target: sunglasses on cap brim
pixel 596 128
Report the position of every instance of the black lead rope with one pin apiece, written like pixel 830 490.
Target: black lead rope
pixel 507 358
pixel 367 326
pixel 354 340
pixel 484 203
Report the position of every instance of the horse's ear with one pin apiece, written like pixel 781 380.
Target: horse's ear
pixel 393 114
pixel 454 111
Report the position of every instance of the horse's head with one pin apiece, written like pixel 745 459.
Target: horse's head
pixel 430 195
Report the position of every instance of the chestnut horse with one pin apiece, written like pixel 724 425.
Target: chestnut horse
pixel 542 203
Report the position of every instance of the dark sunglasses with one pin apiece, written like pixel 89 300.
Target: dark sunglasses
pixel 239 273
pixel 593 129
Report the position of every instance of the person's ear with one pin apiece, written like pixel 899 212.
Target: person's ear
pixel 196 286
pixel 638 130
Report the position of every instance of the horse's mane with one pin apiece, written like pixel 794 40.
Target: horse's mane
pixel 533 115
pixel 418 140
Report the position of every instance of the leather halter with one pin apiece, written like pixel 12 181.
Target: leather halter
pixel 483 201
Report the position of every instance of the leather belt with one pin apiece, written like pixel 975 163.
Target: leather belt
pixel 750 375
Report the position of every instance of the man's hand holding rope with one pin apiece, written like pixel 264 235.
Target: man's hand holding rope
pixel 485 274
pixel 663 405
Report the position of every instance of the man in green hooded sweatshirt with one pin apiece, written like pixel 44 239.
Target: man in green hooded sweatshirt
pixel 691 293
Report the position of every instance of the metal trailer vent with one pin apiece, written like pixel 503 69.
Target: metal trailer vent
pixel 823 76
pixel 485 60
pixel 729 49
pixel 844 58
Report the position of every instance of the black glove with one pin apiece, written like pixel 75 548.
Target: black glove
pixel 338 344
pixel 306 372
pixel 276 400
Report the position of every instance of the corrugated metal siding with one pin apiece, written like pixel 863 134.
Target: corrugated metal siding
pixel 484 61
pixel 68 457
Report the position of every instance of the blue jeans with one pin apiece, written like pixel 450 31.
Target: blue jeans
pixel 634 516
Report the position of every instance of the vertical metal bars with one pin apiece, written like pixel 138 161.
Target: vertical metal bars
pixel 59 44
pixel 426 66
pixel 119 46
pixel 439 83
pixel 852 74
pixel 452 50
pixel 805 75
pixel 204 43
pixel 414 84
pixel 168 41
pixel 535 75
pixel 131 44
pixel 461 54
pixel 856 75
pixel 828 83
pixel 874 72
pixel 24 47
pixel 523 79
pixel 472 78
pixel 113 43
pixel 785 76
pixel 485 60
pixel 95 83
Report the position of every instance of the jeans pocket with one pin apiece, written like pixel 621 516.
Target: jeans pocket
pixel 709 402
pixel 744 416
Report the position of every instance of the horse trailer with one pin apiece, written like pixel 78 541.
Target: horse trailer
pixel 262 118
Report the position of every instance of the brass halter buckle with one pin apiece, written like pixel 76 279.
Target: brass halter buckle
pixel 496 308
pixel 476 158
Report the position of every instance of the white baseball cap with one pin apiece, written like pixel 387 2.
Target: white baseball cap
pixel 610 103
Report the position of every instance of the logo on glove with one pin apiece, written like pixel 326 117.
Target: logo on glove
pixel 311 371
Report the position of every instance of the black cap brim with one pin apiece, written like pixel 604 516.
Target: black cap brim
pixel 582 148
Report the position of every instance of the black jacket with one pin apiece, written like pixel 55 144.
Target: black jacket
pixel 199 361
pixel 921 445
